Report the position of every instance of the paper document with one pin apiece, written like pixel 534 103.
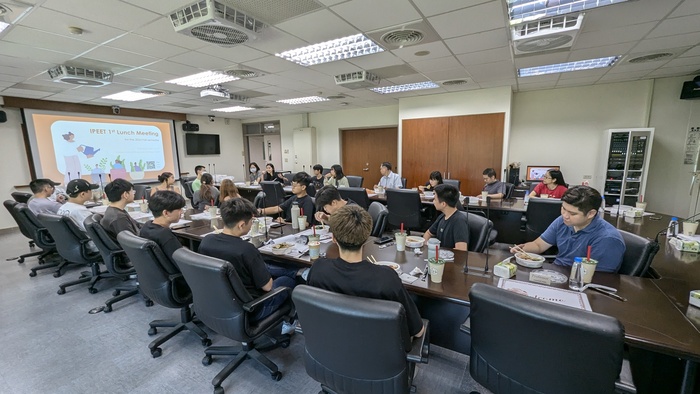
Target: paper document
pixel 573 299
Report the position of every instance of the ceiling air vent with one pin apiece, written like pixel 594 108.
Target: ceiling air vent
pixel 216 23
pixel 80 76
pixel 244 72
pixel 401 38
pixel 357 80
pixel 652 58
pixel 408 34
pixel 546 34
pixel 455 82
pixel 336 97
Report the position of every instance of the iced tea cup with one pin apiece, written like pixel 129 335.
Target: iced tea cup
pixel 400 241
pixel 247 183
pixel 212 212
pixel 689 228
pixel 144 207
pixel 302 223
pixel 314 249
pixel 484 196
pixel 436 269
pixel 588 267
pixel 641 205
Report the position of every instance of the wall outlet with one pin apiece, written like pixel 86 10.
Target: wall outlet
pixel 286 151
pixel 588 177
pixel 286 160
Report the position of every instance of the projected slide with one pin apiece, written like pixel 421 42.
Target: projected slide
pixel 100 149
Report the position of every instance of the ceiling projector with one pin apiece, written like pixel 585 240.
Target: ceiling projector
pixel 217 93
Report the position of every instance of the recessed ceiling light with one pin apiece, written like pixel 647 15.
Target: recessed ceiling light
pixel 405 88
pixel 206 78
pixel 3 26
pixel 422 53
pixel 521 11
pixel 303 100
pixel 330 51
pixel 232 109
pixel 129 95
pixel 580 65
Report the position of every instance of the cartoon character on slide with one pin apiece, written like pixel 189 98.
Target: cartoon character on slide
pixel 71 158
pixel 88 151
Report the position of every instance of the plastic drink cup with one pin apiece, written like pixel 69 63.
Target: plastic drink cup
pixel 587 269
pixel 247 183
pixel 400 241
pixel 436 268
pixel 641 205
pixel 212 211
pixel 302 222
pixel 144 207
pixel 484 196
pixel 314 249
pixel 689 228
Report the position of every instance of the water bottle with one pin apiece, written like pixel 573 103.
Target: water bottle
pixel 576 277
pixel 295 215
pixel 672 228
pixel 601 210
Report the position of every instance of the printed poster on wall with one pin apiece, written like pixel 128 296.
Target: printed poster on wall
pixel 692 142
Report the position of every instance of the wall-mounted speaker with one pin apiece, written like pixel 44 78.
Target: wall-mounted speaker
pixel 3 117
pixel 187 126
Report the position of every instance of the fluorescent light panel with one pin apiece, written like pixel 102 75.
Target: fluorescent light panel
pixel 330 51
pixel 405 88
pixel 232 109
pixel 303 100
pixel 206 78
pixel 580 65
pixel 3 26
pixel 128 95
pixel 529 10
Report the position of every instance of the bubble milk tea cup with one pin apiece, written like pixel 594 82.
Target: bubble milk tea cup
pixel 436 267
pixel 400 241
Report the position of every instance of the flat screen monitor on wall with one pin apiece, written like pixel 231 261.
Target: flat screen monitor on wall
pixel 536 173
pixel 202 144
pixel 98 148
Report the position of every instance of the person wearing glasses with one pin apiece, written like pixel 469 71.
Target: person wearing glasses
pixel 552 185
pixel 299 184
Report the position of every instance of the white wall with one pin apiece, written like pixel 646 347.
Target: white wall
pixel 16 168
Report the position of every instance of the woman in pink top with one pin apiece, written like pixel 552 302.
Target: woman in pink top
pixel 552 185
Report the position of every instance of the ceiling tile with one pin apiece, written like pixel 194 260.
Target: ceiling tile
pixel 107 12
pixel 443 63
pixel 491 71
pixel 445 75
pixel 436 49
pixel 628 13
pixel 541 60
pixel 201 60
pixel 432 7
pixel 688 7
pixel 272 64
pixel 326 26
pixel 488 56
pixel 680 25
pixel 146 46
pixel 40 39
pixel 162 30
pixel 237 54
pixel 160 7
pixel 58 23
pixel 483 17
pixel 684 61
pixel 661 43
pixel 369 15
pixel 376 60
pixel 118 56
pixel 603 51
pixel 613 35
pixel 691 52
pixel 478 42
pixel 29 52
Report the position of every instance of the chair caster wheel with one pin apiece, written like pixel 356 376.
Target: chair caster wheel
pixel 32 274
pixel 157 352
pixel 56 274
pixel 206 342
pixel 107 309
pixel 276 376
pixel 152 331
pixel 149 303
pixel 116 293
pixel 284 344
pixel 61 291
pixel 206 360
pixel 218 390
pixel 92 290
pixel 21 260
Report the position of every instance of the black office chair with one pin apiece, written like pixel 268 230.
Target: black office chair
pixel 639 253
pixel 161 281
pixel 142 192
pixel 544 337
pixel 454 182
pixel 355 181
pixel 325 171
pixel 72 245
pixel 311 190
pixel 187 186
pixel 274 193
pixel 479 231
pixel 10 206
pixel 509 190
pixel 493 233
pixel 403 182
pixel 224 305
pixel 378 212
pixel 541 212
pixel 357 194
pixel 259 200
pixel 371 352
pixel 405 207
pixel 115 260
pixel 21 197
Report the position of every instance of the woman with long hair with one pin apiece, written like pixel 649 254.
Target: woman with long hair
pixel 552 185
pixel 228 190
pixel 167 182
pixel 336 177
pixel 207 195
pixel 271 175
pixel 434 180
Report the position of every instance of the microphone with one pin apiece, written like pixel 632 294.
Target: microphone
pixel 101 187
pixel 78 174
pixel 466 260
pixel 488 217
pixel 209 168
pixel 214 172
pixel 69 175
pixel 110 177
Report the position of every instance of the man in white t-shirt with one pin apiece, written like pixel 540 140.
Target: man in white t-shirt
pixel 79 191
pixel 40 202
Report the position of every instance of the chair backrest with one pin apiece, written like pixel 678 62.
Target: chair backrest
pixel 479 231
pixel 41 236
pixel 187 178
pixel 355 181
pixel 454 182
pixel 141 192
pixel 311 190
pixel 357 194
pixel 404 207
pixel 509 190
pixel 369 341
pixel 541 212
pixel 159 278
pixel 113 255
pixel 10 206
pixel 639 253
pixel 378 212
pixel 549 337
pixel 325 171
pixel 259 200
pixel 274 193
pixel 217 293
pixel 21 197
pixel 188 190
pixel 71 241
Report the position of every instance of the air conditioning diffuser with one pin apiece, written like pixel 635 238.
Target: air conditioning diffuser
pixel 216 23
pixel 546 34
pixel 357 80
pixel 80 76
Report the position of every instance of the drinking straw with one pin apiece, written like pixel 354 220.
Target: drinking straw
pixel 301 211
pixel 314 228
pixel 437 253
pixel 588 255
pixel 401 227
pixel 641 198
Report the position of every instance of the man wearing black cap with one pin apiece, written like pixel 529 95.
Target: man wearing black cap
pixel 42 189
pixel 79 191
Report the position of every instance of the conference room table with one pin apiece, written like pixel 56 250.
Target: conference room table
pixel 250 191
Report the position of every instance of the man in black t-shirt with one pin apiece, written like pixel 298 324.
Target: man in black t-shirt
pixel 166 206
pixel 450 227
pixel 306 206
pixel 352 275
pixel 328 200
pixel 115 220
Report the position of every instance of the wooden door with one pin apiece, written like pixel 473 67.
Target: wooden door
pixel 424 145
pixel 364 150
pixel 475 143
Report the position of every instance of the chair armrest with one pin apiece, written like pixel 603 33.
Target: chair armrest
pixel 466 327
pixel 44 234
pixel 420 346
pixel 249 306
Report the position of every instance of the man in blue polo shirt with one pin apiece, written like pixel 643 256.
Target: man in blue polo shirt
pixel 578 227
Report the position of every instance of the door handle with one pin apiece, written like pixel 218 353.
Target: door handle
pixel 365 169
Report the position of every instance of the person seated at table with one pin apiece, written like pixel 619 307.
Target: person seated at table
pixel 579 227
pixel 197 183
pixel 42 189
pixel 351 274
pixel 450 228
pixel 317 178
pixel 207 196
pixel 166 207
pixel 228 190
pixel 336 177
pixel 115 220
pixel 167 182
pixel 434 180
pixel 79 192
pixel 495 188
pixel 328 200
pixel 389 179
pixel 306 206
pixel 257 276
pixel 552 185
pixel 271 175
pixel 255 172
